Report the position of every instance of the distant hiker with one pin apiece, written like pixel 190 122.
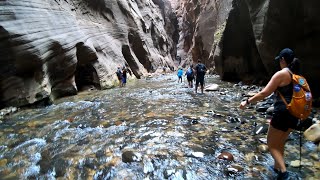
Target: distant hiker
pixel 180 74
pixel 179 59
pixel 190 76
pixel 200 72
pixel 119 76
pixel 124 76
pixel 282 122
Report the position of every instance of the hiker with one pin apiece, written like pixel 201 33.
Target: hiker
pixel 190 76
pixel 119 76
pixel 180 73
pixel 200 72
pixel 163 69
pixel 282 122
pixel 124 76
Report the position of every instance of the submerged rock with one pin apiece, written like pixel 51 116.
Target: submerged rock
pixel 130 156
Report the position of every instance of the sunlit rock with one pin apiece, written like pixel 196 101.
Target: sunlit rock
pixel 212 87
pixel 317 165
pixel 150 115
pixel 234 168
pixel 206 105
pixel 147 166
pixel 262 129
pixel 315 156
pixel 118 123
pixel 313 133
pixel 7 111
pixel 197 154
pixel 250 157
pixel 263 148
pixel 3 162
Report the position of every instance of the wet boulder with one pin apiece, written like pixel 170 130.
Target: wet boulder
pixel 226 156
pixel 263 148
pixel 234 168
pixel 313 133
pixel 130 156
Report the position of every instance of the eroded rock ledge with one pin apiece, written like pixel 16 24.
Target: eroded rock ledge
pixel 54 48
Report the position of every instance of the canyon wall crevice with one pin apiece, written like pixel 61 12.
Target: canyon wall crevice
pixel 239 39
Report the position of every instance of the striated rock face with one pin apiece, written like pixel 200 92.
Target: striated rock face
pixel 200 25
pixel 54 48
pixel 240 38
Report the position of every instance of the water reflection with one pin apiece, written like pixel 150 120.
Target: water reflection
pixel 151 129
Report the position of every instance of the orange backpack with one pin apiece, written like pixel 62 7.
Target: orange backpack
pixel 301 102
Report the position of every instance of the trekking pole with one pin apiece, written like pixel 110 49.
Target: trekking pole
pixel 300 147
pixel 300 134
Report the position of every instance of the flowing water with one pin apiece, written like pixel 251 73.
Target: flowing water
pixel 154 128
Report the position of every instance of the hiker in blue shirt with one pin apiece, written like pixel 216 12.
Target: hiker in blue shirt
pixel 180 73
pixel 190 76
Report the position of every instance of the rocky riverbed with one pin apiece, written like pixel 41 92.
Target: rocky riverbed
pixel 154 128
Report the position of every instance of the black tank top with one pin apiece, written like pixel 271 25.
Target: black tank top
pixel 286 92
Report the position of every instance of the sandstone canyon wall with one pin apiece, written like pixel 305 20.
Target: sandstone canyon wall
pixel 240 38
pixel 54 48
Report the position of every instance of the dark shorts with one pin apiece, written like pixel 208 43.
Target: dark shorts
pixel 283 120
pixel 124 80
pixel 189 78
pixel 199 80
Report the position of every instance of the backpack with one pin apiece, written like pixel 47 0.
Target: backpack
pixel 118 73
pixel 301 102
pixel 201 69
pixel 189 72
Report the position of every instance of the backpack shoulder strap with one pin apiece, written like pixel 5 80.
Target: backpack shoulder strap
pixel 286 68
pixel 284 101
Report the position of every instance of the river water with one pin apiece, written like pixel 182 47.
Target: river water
pixel 154 128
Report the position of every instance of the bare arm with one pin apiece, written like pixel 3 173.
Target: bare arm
pixel 272 85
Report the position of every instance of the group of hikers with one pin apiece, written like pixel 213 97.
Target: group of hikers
pixel 122 76
pixel 192 74
pixel 282 122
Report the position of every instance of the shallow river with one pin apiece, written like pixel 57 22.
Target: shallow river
pixel 154 128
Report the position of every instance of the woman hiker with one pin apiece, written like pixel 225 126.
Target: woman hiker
pixel 282 121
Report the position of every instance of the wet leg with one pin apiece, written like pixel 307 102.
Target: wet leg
pixel 276 141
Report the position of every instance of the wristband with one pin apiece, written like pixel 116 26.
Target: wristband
pixel 247 101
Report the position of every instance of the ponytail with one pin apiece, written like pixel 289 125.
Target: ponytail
pixel 294 66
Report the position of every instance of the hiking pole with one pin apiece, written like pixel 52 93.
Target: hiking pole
pixel 300 134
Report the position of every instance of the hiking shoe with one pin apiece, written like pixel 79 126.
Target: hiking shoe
pixel 283 176
pixel 271 168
